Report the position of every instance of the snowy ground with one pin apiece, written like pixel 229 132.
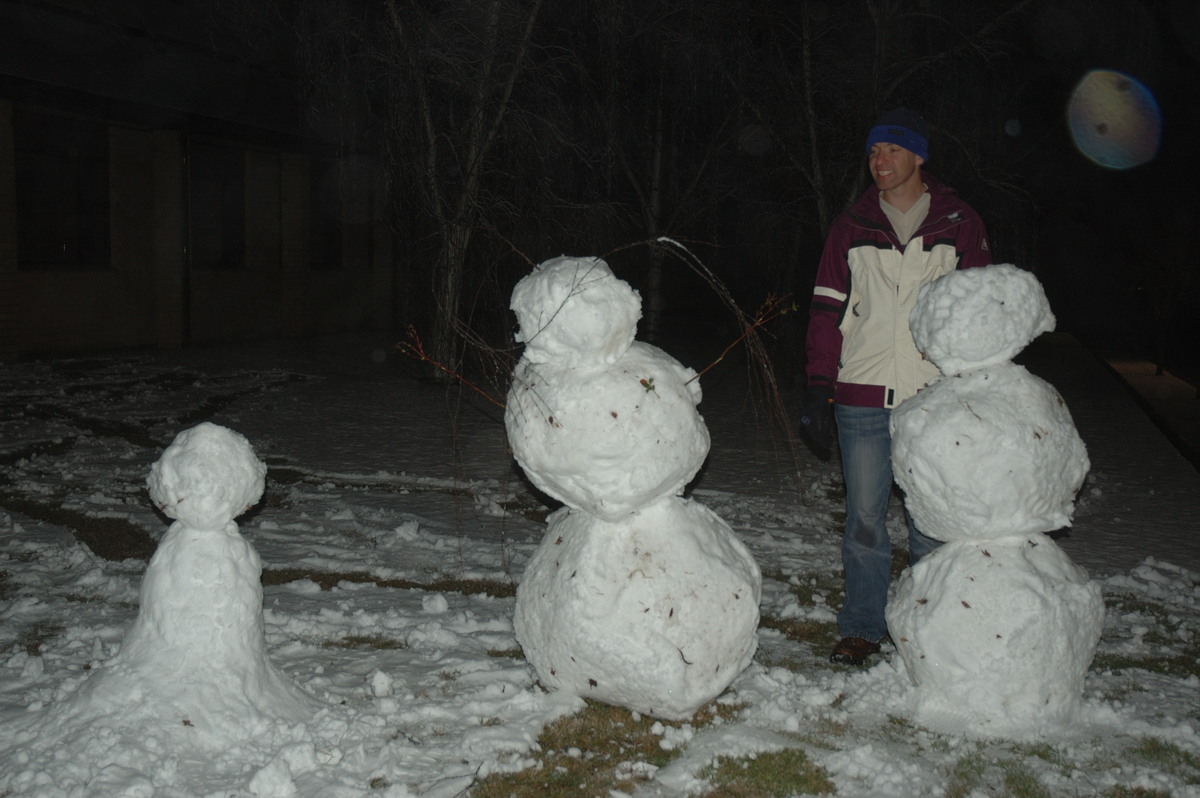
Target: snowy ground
pixel 399 487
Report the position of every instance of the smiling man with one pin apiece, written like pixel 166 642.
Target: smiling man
pixel 906 230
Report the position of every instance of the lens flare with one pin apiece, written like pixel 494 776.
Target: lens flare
pixel 1114 120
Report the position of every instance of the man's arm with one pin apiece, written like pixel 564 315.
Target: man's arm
pixel 823 344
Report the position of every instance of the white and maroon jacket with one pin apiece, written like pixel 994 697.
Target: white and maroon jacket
pixel 858 337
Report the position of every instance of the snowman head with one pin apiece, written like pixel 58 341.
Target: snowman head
pixel 575 312
pixel 979 317
pixel 207 477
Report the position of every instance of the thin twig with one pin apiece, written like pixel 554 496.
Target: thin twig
pixel 415 349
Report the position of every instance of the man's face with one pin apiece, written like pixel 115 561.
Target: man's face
pixel 892 166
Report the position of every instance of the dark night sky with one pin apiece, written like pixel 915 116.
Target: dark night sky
pixel 1116 244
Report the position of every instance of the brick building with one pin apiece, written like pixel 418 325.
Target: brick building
pixel 156 193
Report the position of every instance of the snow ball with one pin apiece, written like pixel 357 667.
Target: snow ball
pixel 977 317
pixel 33 668
pixel 608 441
pixel 575 312
pixel 657 613
pixel 273 780
pixel 381 684
pixel 997 635
pixel 207 477
pixel 434 603
pixel 989 453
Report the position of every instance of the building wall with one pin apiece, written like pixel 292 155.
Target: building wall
pixel 152 295
pixel 167 278
pixel 9 304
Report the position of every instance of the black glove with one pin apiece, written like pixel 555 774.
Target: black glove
pixel 817 421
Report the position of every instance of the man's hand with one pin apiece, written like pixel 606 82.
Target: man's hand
pixel 817 421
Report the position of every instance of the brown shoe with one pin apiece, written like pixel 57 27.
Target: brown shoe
pixel 853 651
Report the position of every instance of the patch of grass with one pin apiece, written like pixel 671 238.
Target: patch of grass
pixel 830 587
pixel 1021 782
pixel 809 589
pixel 823 732
pixel 506 653
pixel 768 660
pixel 1123 791
pixel 1001 776
pixel 524 505
pixel 967 772
pixel 328 580
pixel 530 508
pixel 899 729
pixel 1180 665
pixel 1122 690
pixel 79 598
pixel 1169 757
pixel 34 637
pixel 274 499
pixel 134 434
pixel 1164 650
pixel 113 539
pixel 821 588
pixel 816 634
pixel 1047 753
pixel 763 775
pixel 598 749
pixel 445 686
pixel 52 447
pixel 378 642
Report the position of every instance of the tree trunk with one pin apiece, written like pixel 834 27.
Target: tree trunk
pixel 445 343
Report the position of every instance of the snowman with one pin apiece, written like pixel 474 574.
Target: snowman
pixel 194 664
pixel 636 596
pixel 997 627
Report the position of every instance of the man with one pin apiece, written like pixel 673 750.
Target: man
pixel 906 230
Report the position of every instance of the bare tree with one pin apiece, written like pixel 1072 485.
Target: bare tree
pixel 656 94
pixel 436 89
pixel 465 68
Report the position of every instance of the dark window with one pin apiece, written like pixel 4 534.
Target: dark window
pixel 216 205
pixel 62 191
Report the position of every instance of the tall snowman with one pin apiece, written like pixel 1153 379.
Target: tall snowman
pixel 194 664
pixel 636 596
pixel 998 626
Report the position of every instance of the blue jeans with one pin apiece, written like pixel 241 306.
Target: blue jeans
pixel 866 448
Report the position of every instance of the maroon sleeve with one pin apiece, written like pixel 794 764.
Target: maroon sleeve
pixel 823 345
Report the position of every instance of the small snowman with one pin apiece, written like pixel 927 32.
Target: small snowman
pixel 636 596
pixel 997 627
pixel 194 664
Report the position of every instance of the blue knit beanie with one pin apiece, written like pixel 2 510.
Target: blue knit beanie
pixel 904 127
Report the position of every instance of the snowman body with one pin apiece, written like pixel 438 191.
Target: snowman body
pixel 614 438
pixel 636 596
pixel 194 664
pixel 650 612
pixel 997 627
